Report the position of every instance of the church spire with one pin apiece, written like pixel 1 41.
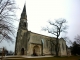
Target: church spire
pixel 23 19
pixel 23 15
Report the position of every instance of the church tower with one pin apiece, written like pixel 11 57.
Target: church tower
pixel 21 39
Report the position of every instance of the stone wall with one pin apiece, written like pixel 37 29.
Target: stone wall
pixel 35 39
pixel 62 50
pixel 21 42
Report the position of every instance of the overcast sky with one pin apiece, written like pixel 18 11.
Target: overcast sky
pixel 40 11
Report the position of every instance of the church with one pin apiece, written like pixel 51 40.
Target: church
pixel 29 43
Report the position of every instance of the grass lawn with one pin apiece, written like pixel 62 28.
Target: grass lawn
pixel 49 58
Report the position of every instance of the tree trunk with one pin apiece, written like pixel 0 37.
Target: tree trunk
pixel 41 48
pixel 57 49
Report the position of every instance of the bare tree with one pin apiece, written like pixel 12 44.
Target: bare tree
pixel 77 39
pixel 57 27
pixel 68 41
pixel 7 17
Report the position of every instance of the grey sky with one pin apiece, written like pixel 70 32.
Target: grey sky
pixel 40 11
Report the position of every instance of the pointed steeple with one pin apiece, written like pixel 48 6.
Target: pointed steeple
pixel 23 19
pixel 23 15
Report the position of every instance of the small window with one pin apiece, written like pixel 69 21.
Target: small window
pixel 24 24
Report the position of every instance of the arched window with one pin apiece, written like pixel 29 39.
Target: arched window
pixel 42 41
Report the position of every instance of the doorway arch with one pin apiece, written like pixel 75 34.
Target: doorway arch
pixel 22 51
pixel 36 50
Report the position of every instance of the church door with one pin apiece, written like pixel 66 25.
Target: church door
pixel 22 51
pixel 36 50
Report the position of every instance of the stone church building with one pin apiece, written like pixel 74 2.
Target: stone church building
pixel 30 43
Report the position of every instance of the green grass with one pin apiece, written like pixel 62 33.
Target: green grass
pixel 50 58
